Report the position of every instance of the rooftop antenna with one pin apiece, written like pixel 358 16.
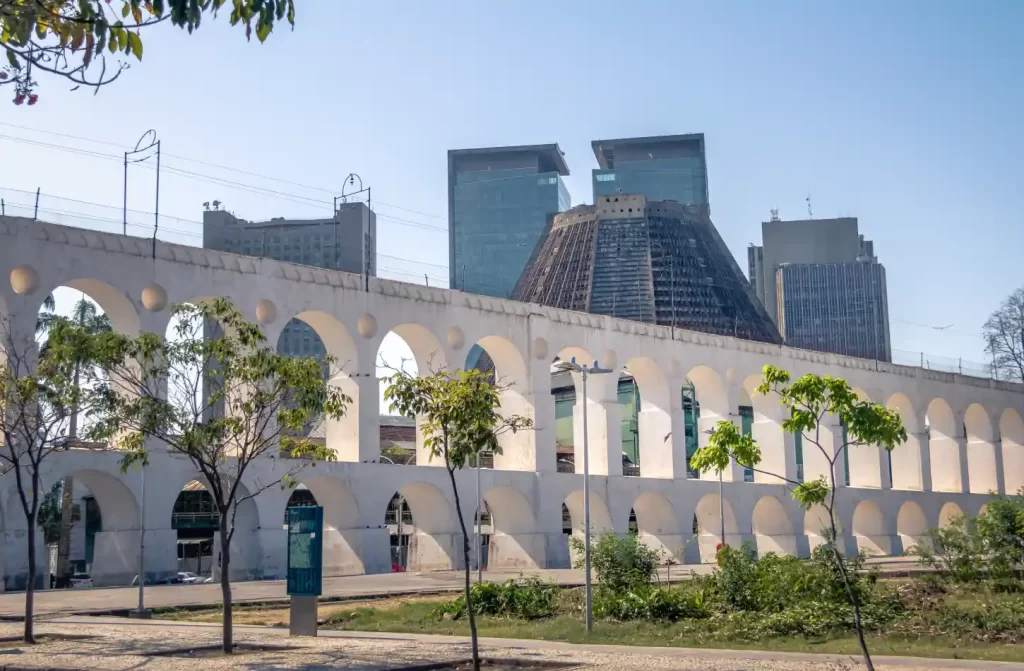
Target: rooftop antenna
pixel 810 214
pixel 775 213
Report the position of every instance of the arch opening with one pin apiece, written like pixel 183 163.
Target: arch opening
pixel 870 530
pixel 656 524
pixel 905 460
pixel 1011 431
pixel 705 403
pixel 647 420
pixel 508 533
pixel 343 540
pixel 912 526
pixel 423 534
pixel 710 517
pixel 500 358
pixel 949 514
pixel 573 516
pixel 772 528
pixel 197 524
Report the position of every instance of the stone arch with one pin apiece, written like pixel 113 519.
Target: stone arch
pixel 943 447
pixel 767 431
pixel 654 419
pixel 1011 433
pixel 712 398
pixel 657 525
pixel 981 451
pixel 948 513
pixel 870 530
pixel 115 545
pixel 772 527
pixel 912 525
pixel 816 524
pixel 115 303
pixel 906 459
pixel 343 539
pixel 861 465
pixel 433 539
pixel 600 517
pixel 604 416
pixel 246 560
pixel 343 435
pixel 708 517
pixel 514 543
pixel 519 449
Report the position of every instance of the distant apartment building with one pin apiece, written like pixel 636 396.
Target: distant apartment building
pixel 345 242
pixel 499 202
pixel 822 285
pixel 665 168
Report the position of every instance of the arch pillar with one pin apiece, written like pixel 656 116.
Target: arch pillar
pixel 356 435
pixel 925 450
pixel 997 447
pixel 961 448
pixel 663 436
pixel 831 439
pixel 604 418
pixel 769 434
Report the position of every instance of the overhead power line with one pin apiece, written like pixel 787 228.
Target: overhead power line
pixel 321 189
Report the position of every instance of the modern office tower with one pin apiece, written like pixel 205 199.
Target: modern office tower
pixel 346 242
pixel 645 260
pixel 667 167
pixel 499 202
pixel 822 285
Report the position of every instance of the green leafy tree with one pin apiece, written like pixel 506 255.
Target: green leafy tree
pixel 809 400
pixel 73 38
pixel 38 396
pixel 225 403
pixel 1001 527
pixel 459 413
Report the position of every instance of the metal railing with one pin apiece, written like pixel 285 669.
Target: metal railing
pixel 945 364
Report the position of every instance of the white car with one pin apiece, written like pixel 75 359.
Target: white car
pixel 189 578
pixel 81 580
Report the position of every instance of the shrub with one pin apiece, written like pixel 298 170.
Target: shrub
pixel 652 603
pixel 736 577
pixel 1001 529
pixel 957 550
pixel 622 564
pixel 528 599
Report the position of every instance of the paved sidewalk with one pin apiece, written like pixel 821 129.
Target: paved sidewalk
pixel 121 645
pixel 107 600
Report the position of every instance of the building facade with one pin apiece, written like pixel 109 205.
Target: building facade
pixel 347 242
pixel 667 167
pixel 822 285
pixel 965 435
pixel 499 203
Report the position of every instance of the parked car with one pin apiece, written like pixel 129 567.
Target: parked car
pixel 81 580
pixel 189 578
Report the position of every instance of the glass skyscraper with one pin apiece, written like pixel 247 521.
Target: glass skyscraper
pixel 668 167
pixel 499 203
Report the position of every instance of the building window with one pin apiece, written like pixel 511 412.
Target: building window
pixel 606 177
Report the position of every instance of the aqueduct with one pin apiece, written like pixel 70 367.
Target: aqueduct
pixel 966 435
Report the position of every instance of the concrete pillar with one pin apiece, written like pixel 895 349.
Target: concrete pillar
pixel 926 460
pixel 965 471
pixel 778 456
pixel 830 437
pixel 604 426
pixel 519 450
pixel 356 435
pixel 663 438
pixel 997 447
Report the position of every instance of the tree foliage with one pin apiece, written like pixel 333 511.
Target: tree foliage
pixel 810 401
pixel 223 402
pixel 72 38
pixel 39 395
pixel 1004 337
pixel 458 413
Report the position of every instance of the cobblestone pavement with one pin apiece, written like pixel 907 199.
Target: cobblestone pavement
pixel 122 646
pixel 66 602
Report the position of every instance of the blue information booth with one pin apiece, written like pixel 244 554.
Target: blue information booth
pixel 305 567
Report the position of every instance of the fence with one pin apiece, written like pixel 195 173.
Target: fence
pixel 944 364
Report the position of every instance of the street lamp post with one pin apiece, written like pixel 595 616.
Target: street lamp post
pixel 586 372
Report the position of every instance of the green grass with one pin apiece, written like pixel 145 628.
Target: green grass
pixel 416 615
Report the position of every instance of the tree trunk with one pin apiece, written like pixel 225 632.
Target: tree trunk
pixel 225 590
pixel 64 536
pixel 30 587
pixel 465 557
pixel 856 607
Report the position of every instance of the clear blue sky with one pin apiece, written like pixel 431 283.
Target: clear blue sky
pixel 907 115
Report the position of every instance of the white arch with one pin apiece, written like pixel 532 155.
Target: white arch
pixel 906 459
pixel 709 524
pixel 124 318
pixel 1011 431
pixel 433 542
pixel 869 528
pixel 654 420
pixel 912 525
pixel 943 447
pixel 657 525
pixel 948 513
pixel 816 525
pixel 519 449
pixel 343 540
pixel 768 433
pixel 772 528
pixel 981 451
pixel 515 543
